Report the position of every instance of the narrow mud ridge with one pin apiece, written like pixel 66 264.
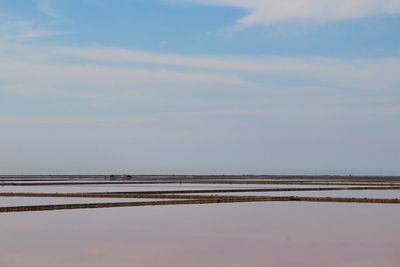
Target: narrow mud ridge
pixel 202 200
pixel 95 205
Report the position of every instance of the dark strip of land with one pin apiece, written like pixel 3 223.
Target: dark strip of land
pixel 350 183
pixel 217 198
pixel 198 177
pixel 207 200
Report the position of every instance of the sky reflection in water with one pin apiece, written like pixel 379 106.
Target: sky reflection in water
pixel 249 234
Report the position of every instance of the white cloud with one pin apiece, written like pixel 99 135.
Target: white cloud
pixel 29 69
pixel 272 11
pixel 102 72
pixel 356 73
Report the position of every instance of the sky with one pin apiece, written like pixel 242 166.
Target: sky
pixel 200 87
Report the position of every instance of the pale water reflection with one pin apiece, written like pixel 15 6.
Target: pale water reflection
pixel 334 193
pixel 32 201
pixel 148 187
pixel 277 234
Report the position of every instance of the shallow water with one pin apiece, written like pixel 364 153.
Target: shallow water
pixel 128 187
pixel 333 193
pixel 259 234
pixel 277 234
pixel 31 201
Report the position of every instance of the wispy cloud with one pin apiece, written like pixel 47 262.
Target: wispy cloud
pixel 34 120
pixel 108 76
pixel 47 7
pixel 272 11
pixel 31 69
pixel 356 73
pixel 11 31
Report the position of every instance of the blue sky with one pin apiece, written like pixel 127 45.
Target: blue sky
pixel 200 86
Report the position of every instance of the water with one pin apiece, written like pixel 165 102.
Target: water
pixel 32 201
pixel 277 234
pixel 335 193
pixel 149 187
pixel 257 234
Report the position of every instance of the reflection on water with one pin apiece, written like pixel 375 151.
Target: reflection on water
pixel 276 234
pixel 128 187
pixel 249 234
pixel 32 201
pixel 335 193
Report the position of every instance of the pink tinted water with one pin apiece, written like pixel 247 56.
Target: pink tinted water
pixel 266 234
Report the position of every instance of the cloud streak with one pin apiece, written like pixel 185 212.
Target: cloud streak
pixel 14 31
pixel 55 77
pixel 35 69
pixel 264 12
pixel 361 73
pixel 40 120
pixel 46 7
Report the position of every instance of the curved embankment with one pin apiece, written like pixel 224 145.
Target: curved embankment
pixel 193 199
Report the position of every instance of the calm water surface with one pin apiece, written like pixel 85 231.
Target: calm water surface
pixel 31 201
pixel 333 193
pixel 126 187
pixel 276 234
